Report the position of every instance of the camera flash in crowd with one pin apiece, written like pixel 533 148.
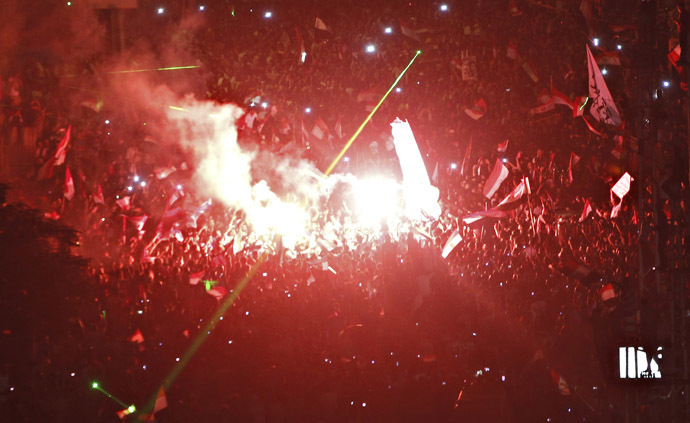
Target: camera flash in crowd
pixel 370 48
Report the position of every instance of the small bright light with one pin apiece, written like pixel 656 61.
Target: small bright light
pixel 453 166
pixel 444 8
pixel 370 48
pixel 347 159
pixel 131 409
pixel 604 71
pixel 398 89
pixel 143 183
pixel 179 187
pixel 177 358
pixel 202 8
pixel 595 41
pixel 504 160
pixel 265 274
pixel 364 404
pixel 140 311
pixel 72 374
pixel 246 313
pixel 107 122
pixel 160 10
pixel 307 110
pixel 94 385
pixel 619 46
pixel 268 15
pixel 11 388
pixel 503 378
pixel 129 188
pixel 69 3
pixel 388 30
pixel 303 57
pixel 264 104
pixel 666 84
pixel 144 367
pixel 136 178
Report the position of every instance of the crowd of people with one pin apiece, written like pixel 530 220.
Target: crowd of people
pixel 504 328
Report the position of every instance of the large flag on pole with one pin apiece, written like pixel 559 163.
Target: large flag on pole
pixel 603 107
pixel 497 176
pixel 622 186
pixel 421 198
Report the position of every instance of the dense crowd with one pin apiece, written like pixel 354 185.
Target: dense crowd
pixel 387 330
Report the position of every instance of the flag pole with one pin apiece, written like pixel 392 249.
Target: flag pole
pixel 361 127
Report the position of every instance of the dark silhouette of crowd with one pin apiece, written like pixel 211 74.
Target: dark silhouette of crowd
pixel 387 331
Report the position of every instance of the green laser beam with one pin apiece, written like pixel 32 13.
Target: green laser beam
pixel 97 387
pixel 142 70
pixel 205 332
pixel 361 127
pixel 583 104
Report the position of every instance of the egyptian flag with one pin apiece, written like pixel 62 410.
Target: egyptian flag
pixel 478 110
pixel 195 278
pixel 300 46
pixel 573 269
pixel 497 176
pixel 484 216
pixel 585 212
pixel 563 387
pixel 674 57
pixel 514 199
pixel 574 158
pixel 69 184
pixel 61 151
pixel 607 292
pixel 98 196
pixel 452 242
pixel 125 203
pixel 138 337
pixel 320 25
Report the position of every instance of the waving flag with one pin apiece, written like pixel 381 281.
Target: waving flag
pixel 585 212
pixel 98 195
pixel 574 158
pixel 421 198
pixel 484 216
pixel 452 242
pixel 408 32
pixel 513 199
pixel 69 184
pixel 563 387
pixel 607 292
pixel 125 203
pixel 61 151
pixel 622 186
pixel 478 110
pixel 674 57
pixel 320 129
pixel 497 176
pixel 138 337
pixel 319 24
pixel 300 46
pixel 195 278
pixel 603 107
